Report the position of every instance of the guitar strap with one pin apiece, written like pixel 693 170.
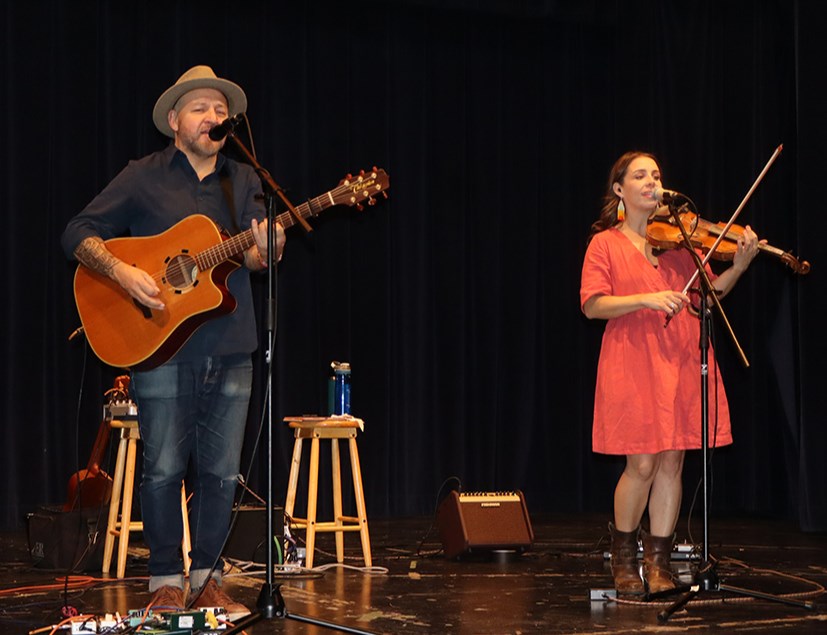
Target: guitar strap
pixel 227 188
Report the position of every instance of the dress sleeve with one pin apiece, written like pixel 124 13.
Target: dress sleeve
pixel 596 277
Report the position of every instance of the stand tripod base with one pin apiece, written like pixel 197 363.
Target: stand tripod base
pixel 270 604
pixel 707 580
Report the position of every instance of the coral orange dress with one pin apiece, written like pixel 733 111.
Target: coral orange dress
pixel 648 392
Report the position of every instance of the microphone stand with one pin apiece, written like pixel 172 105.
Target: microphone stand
pixel 706 578
pixel 270 602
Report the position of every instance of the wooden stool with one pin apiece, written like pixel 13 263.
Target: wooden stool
pixel 124 478
pixel 316 428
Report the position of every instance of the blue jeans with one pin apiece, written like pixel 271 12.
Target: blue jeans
pixel 190 413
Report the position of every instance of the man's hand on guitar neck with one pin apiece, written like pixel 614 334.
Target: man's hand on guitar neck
pixel 258 253
pixel 92 252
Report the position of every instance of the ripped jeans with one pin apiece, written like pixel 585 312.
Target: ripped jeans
pixel 190 414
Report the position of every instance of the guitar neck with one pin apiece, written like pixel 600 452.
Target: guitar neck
pixel 239 243
pixel 101 441
pixel 308 209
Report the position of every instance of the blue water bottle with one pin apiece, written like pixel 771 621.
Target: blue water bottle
pixel 338 392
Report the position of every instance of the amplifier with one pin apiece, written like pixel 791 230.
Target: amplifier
pixel 483 521
pixel 248 538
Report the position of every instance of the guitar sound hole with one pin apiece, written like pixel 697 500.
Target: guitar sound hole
pixel 182 272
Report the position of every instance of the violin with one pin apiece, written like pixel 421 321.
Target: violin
pixel 663 233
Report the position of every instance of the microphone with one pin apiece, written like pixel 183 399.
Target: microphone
pixel 217 133
pixel 663 196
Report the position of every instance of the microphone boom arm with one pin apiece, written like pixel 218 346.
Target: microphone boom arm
pixel 266 179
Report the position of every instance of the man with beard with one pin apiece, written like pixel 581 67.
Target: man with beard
pixel 192 408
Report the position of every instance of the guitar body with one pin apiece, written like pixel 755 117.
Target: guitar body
pixel 125 334
pixel 88 488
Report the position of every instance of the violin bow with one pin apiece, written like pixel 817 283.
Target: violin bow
pixel 724 231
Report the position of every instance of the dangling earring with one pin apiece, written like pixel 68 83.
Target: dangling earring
pixel 621 211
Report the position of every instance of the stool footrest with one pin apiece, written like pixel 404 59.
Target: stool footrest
pixel 330 526
pixel 327 525
pixel 135 525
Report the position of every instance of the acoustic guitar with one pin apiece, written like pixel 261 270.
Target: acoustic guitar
pixel 190 262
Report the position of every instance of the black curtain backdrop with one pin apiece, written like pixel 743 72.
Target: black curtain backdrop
pixel 456 300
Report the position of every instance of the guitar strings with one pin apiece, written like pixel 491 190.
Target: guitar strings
pixel 235 244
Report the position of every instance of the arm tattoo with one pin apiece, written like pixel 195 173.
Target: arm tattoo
pixel 94 254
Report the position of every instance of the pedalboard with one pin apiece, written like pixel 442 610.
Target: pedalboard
pixel 121 410
pixel 681 551
pixel 204 621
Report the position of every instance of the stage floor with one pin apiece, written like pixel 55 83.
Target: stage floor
pixel 545 590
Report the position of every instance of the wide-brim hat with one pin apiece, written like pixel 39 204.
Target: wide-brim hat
pixel 194 78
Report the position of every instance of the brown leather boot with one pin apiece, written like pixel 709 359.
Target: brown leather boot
pixel 624 562
pixel 657 553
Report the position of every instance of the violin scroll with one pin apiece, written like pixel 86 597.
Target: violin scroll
pixel 801 267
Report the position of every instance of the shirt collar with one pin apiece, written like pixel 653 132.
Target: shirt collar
pixel 174 156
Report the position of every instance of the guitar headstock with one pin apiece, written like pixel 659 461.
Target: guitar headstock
pixel 361 189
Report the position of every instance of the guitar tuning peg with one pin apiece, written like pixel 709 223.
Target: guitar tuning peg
pixel 361 173
pixel 371 201
pixel 348 176
pixel 385 194
pixel 360 207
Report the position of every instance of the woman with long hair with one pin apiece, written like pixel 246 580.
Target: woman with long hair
pixel 647 399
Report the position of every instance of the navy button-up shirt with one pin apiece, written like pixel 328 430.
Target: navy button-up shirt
pixel 148 197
